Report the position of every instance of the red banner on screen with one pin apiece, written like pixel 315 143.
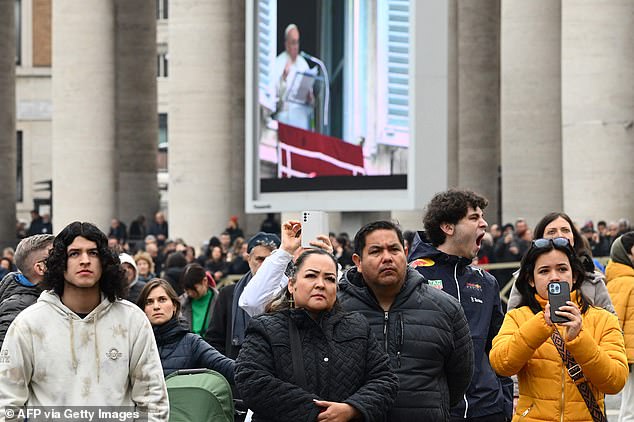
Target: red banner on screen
pixel 308 154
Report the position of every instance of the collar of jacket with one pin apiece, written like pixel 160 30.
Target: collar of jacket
pixel 303 319
pixel 169 332
pixel 353 283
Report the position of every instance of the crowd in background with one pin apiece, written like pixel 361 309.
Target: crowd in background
pixel 224 253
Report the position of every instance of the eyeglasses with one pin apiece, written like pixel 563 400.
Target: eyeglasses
pixel 561 242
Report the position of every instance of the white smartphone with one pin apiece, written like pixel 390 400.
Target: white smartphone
pixel 314 223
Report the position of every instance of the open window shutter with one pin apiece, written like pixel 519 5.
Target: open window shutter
pixel 394 44
pixel 267 45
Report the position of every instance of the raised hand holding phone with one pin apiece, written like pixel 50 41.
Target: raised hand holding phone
pixel 314 224
pixel 562 311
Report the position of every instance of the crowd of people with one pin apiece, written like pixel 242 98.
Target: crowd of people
pixel 387 326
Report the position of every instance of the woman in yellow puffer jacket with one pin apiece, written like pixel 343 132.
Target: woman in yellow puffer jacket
pixel 620 280
pixel 524 346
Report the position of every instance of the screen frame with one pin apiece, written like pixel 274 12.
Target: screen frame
pixel 427 167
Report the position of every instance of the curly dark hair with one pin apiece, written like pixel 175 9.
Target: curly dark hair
pixel 359 238
pixel 112 283
pixel 449 207
pixel 527 269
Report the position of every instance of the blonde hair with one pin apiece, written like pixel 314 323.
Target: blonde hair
pixel 142 255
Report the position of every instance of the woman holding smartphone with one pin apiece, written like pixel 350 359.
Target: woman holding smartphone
pixel 563 369
pixel 308 359
pixel 559 224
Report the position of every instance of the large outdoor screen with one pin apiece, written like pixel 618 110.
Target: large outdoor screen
pixel 334 118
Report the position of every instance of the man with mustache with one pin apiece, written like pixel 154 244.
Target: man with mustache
pixel 423 331
pixel 455 225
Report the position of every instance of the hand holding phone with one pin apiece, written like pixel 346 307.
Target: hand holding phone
pixel 313 223
pixel 558 295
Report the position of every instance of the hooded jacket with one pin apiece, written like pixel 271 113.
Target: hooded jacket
pixel 547 393
pixel 479 294
pixel 180 349
pixel 51 356
pixel 187 313
pixel 135 286
pixel 16 294
pixel 426 336
pixel 620 281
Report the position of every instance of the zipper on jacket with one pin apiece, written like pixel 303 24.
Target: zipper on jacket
pixel 400 340
pixel 525 412
pixel 563 390
pixel 385 321
pixel 455 277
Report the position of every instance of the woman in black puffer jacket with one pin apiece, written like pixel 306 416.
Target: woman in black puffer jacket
pixel 178 348
pixel 342 374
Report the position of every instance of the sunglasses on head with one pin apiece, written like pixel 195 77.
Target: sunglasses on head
pixel 561 242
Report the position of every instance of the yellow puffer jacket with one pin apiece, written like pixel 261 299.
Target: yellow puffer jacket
pixel 620 281
pixel 547 393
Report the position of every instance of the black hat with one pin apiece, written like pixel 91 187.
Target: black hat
pixel 263 239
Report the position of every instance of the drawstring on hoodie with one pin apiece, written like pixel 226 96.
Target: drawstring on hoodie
pixel 72 343
pixel 94 326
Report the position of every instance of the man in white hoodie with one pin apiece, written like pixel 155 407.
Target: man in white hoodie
pixel 80 345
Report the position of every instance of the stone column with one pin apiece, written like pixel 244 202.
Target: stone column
pixel 7 124
pixel 479 99
pixel 598 108
pixel 206 59
pixel 531 109
pixel 83 112
pixel 452 97
pixel 136 109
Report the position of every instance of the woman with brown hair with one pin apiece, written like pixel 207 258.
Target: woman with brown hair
pixel 309 360
pixel 178 348
pixel 564 368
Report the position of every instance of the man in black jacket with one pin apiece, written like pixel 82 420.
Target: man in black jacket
pixel 18 290
pixel 424 331
pixel 228 321
pixel 455 225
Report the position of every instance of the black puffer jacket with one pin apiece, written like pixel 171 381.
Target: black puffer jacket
pixel 180 349
pixel 342 359
pixel 427 337
pixel 14 298
pixel 479 295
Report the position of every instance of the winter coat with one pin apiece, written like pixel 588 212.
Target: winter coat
pixel 52 357
pixel 620 281
pixel 186 308
pixel 547 393
pixel 479 294
pixel 15 296
pixel 593 289
pixel 427 338
pixel 342 359
pixel 180 349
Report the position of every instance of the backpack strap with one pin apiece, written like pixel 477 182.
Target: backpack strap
pixel 575 372
pixel 296 354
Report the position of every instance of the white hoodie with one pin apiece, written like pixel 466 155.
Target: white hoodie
pixel 52 357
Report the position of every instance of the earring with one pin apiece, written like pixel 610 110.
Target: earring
pixel 291 301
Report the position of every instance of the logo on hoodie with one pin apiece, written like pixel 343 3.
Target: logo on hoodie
pixel 114 354
pixel 422 262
